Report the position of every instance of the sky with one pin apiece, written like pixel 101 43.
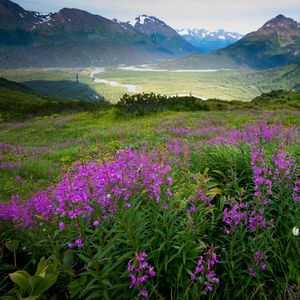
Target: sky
pixel 241 16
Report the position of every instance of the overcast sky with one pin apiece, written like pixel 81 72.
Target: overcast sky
pixel 233 15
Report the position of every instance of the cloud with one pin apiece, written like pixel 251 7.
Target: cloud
pixel 235 15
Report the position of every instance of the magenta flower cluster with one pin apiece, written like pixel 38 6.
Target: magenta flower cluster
pixel 260 263
pixel 94 191
pixel 216 133
pixel 139 273
pixel 272 174
pixel 296 190
pixel 248 214
pixel 234 216
pixel 204 272
pixel 200 199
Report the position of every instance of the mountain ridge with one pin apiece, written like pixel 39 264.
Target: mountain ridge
pixel 209 40
pixel 275 44
pixel 76 38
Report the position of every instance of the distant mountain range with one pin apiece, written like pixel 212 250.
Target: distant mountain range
pixel 76 38
pixel 275 44
pixel 209 41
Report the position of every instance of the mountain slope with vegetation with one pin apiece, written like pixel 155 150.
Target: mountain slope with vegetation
pixel 76 38
pixel 276 43
pixel 19 102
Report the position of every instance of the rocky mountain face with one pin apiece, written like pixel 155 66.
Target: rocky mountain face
pixel 159 32
pixel 276 43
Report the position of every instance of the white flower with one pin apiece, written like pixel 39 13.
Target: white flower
pixel 295 231
pixel 108 196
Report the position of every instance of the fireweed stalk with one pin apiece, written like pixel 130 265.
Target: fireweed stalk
pixel 139 273
pixel 260 263
pixel 270 178
pixel 204 273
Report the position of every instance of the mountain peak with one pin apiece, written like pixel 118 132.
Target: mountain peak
pixel 144 20
pixel 280 23
pixel 151 25
pixel 280 17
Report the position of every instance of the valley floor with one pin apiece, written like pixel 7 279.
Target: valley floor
pixel 112 83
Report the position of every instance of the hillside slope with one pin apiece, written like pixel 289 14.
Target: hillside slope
pixel 275 44
pixel 19 102
pixel 76 38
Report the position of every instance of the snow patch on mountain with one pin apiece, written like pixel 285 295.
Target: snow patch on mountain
pixel 202 33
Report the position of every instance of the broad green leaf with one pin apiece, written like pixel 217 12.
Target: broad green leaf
pixel 68 259
pixel 34 281
pixel 21 279
pixel 42 267
pixel 45 284
pixel 12 245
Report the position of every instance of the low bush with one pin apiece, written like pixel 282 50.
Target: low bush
pixel 143 104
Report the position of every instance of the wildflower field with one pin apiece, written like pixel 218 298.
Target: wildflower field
pixel 177 205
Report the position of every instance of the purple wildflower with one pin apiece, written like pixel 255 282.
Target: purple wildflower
pixel 140 272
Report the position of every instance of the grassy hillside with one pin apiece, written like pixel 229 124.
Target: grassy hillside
pixel 95 194
pixel 171 189
pixel 278 98
pixel 19 102
pixel 62 139
pixel 56 83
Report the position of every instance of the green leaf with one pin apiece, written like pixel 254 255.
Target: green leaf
pixel 215 191
pixel 222 202
pixel 7 267
pixel 219 172
pixel 30 298
pixel 106 282
pixel 68 259
pixel 83 280
pixel 12 245
pixel 166 262
pixel 34 281
pixel 45 284
pixel 21 278
pixel 86 259
pixel 42 267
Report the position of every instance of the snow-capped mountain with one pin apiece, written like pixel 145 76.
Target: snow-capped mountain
pixel 75 38
pixel 160 33
pixel 208 40
pixel 151 25
pixel 275 44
